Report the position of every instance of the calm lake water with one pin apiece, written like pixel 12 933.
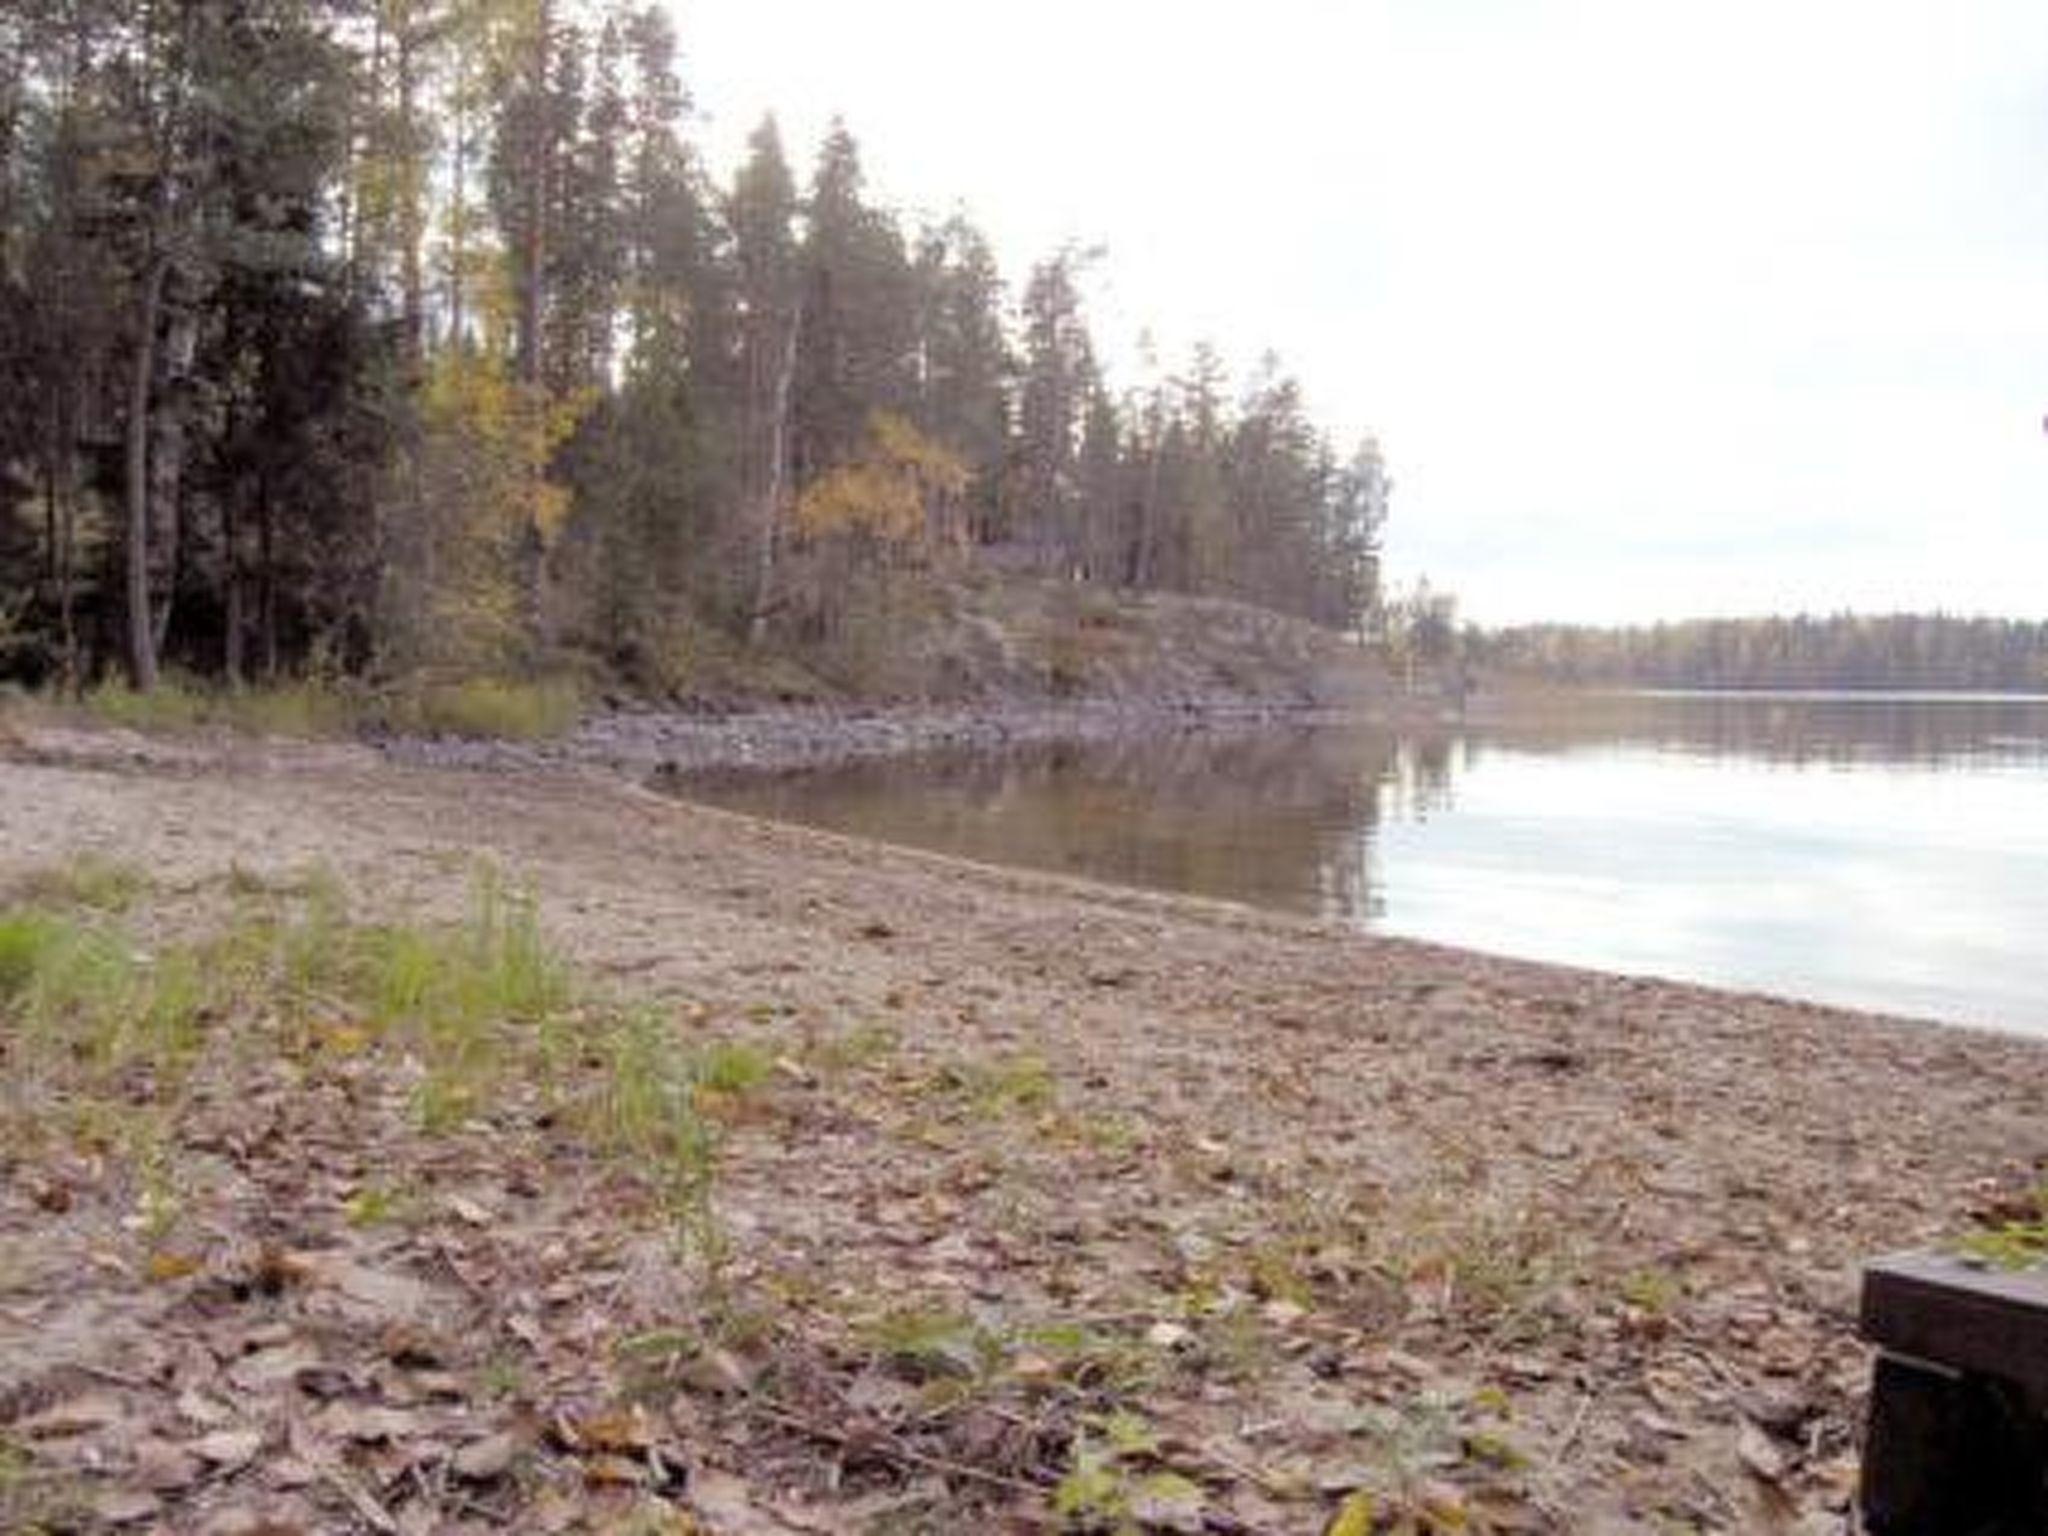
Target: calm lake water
pixel 1885 852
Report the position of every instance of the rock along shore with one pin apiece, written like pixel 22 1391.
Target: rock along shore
pixel 648 743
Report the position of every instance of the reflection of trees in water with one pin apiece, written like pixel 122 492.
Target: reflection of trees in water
pixel 1827 731
pixel 1424 769
pixel 1276 818
pixel 1291 819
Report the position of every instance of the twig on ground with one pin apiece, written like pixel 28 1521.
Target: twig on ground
pixel 1578 1423
pixel 359 1499
pixel 891 1450
pixel 118 1378
pixel 1243 1471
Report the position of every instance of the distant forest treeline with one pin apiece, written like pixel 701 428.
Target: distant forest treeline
pixel 414 334
pixel 1843 651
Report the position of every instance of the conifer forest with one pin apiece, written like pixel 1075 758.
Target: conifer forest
pixel 380 337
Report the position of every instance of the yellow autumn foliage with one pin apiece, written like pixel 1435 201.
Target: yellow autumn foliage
pixel 902 492
pixel 483 512
pixel 512 430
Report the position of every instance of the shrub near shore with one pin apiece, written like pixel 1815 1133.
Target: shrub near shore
pixel 465 708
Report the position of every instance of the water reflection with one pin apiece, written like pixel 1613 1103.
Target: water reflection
pixel 1284 819
pixel 1931 730
pixel 1889 853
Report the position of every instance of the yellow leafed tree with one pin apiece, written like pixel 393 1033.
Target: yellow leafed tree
pixel 901 496
pixel 482 511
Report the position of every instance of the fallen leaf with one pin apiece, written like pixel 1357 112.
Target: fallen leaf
pixel 228 1449
pixel 268 1369
pixel 1034 1367
pixel 731 1509
pixel 275 1271
pixel 613 1472
pixel 369 1425
pixel 1168 1335
pixel 75 1416
pixel 1166 1501
pixel 166 1266
pixel 623 1431
pixel 203 1410
pixel 1444 1504
pixel 163 1467
pixel 1756 1451
pixel 717 1372
pixel 482 1461
pixel 470 1211
pixel 127 1506
pixel 1358 1515
pixel 290 1472
pixel 399 1296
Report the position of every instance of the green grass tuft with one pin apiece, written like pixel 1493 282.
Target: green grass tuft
pixel 490 708
pixel 733 1067
pixel 26 939
pixel 104 1035
pixel 89 880
pixel 647 1116
pixel 309 709
pixel 2017 1238
pixel 178 706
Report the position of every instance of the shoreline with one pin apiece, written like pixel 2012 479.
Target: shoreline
pixel 643 743
pixel 1615 1222
pixel 663 751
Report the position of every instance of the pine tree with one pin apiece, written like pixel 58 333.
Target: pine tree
pixel 762 215
pixel 962 362
pixel 1057 375
pixel 855 353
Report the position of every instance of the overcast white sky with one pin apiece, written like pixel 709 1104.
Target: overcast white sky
pixel 1659 308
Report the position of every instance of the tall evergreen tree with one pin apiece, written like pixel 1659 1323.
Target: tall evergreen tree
pixel 962 361
pixel 1057 375
pixel 762 214
pixel 856 348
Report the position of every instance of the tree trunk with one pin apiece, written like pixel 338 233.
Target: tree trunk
pixel 167 463
pixel 266 555
pixel 50 562
pixel 360 148
pixel 771 497
pixel 141 637
pixel 533 238
pixel 1148 515
pixel 67 536
pixel 231 584
pixel 412 234
pixel 67 559
pixel 458 226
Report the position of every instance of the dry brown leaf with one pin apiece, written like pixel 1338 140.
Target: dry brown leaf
pixel 163 1467
pixel 492 1457
pixel 127 1507
pixel 269 1369
pixel 228 1449
pixel 166 1265
pixel 622 1431
pixel 614 1472
pixel 80 1415
pixel 1759 1453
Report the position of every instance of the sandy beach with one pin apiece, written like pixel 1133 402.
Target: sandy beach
pixel 1514 1247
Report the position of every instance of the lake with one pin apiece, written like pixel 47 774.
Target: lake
pixel 1887 852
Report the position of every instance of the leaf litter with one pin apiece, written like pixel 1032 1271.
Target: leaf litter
pixel 1298 1234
